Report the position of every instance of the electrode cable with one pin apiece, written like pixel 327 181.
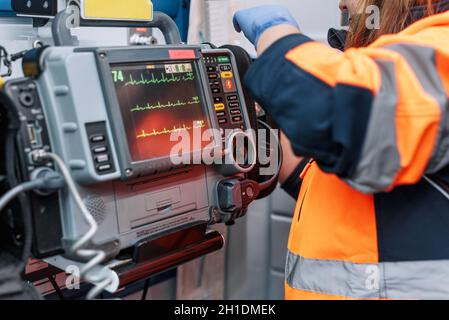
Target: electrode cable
pixel 50 180
pixel 96 256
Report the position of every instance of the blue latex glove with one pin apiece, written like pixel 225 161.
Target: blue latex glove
pixel 254 21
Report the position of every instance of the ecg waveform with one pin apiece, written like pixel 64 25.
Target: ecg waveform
pixel 169 104
pixel 173 78
pixel 196 125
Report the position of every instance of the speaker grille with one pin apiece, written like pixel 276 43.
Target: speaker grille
pixel 96 207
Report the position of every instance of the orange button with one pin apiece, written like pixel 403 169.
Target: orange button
pixel 227 75
pixel 219 106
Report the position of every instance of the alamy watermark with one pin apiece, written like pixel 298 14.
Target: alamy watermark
pixel 373 20
pixel 72 281
pixel 239 148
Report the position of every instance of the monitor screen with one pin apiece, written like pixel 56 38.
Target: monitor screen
pixel 157 100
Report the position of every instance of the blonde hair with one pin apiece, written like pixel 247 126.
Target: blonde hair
pixel 394 17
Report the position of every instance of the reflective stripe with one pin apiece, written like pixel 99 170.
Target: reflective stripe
pixel 417 280
pixel 389 280
pixel 338 278
pixel 295 294
pixel 382 154
pixel 380 160
pixel 423 62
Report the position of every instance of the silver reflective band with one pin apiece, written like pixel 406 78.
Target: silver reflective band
pixel 423 62
pixel 388 280
pixel 337 278
pixel 380 160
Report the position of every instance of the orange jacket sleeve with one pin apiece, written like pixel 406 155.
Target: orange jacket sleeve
pixel 376 116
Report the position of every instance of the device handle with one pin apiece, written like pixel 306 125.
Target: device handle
pixel 63 37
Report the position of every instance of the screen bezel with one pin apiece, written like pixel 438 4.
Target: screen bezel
pixel 107 59
pixel 198 86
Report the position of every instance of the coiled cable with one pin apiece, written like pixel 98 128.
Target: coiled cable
pixel 101 280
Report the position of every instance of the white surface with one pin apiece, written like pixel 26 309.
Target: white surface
pixel 211 20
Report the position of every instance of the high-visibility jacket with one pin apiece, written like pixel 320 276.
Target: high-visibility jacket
pixel 372 218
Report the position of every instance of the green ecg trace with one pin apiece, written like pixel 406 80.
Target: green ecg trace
pixel 154 80
pixel 170 104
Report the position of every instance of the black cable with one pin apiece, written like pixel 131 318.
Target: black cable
pixel 56 287
pixel 16 191
pixel 145 290
pixel 4 56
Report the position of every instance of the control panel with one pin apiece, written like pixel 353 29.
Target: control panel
pixel 99 142
pixel 224 89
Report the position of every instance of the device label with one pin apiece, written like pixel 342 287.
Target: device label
pixel 181 54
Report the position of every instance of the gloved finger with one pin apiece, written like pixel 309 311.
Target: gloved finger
pixel 236 23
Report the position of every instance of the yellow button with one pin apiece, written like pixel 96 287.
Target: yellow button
pixel 219 106
pixel 227 75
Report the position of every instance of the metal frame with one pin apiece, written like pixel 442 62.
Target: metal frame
pixel 63 37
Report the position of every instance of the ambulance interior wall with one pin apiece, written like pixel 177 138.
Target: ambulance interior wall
pixel 257 245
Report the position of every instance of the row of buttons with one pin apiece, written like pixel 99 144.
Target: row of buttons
pixel 223 75
pixel 235 113
pixel 215 85
pixel 230 86
pixel 100 151
pixel 235 110
pixel 223 67
pixel 101 156
pixel 234 106
pixel 221 81
pixel 214 80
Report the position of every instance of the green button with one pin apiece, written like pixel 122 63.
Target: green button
pixel 224 59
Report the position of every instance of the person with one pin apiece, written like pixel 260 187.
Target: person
pixel 372 217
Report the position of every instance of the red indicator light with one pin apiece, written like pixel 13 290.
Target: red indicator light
pixel 229 84
pixel 181 54
pixel 142 30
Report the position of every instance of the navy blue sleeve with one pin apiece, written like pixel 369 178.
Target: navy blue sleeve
pixel 322 122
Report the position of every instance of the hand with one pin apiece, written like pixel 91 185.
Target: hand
pixel 254 21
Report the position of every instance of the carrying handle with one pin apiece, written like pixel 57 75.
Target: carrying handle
pixel 63 37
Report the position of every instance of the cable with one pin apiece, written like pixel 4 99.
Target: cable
pixel 13 193
pixel 56 287
pixel 146 286
pixel 48 180
pixel 4 57
pixel 41 155
pixel 267 184
pixel 101 282
pixel 436 186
